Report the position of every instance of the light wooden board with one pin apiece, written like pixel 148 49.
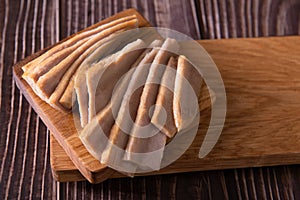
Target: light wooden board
pixel 262 80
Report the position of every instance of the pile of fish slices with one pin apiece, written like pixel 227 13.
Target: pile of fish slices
pixel 128 85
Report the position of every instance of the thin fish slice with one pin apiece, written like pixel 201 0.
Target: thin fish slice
pixel 69 42
pixel 102 77
pixel 95 135
pixel 82 94
pixel 147 35
pixel 48 82
pixel 81 85
pixel 164 102
pixel 184 113
pixel 152 144
pixel 78 80
pixel 51 61
pixel 114 151
pixel 67 100
pixel 61 87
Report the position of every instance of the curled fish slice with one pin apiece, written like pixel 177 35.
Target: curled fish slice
pixel 71 41
pixel 152 143
pixel 114 151
pixel 164 103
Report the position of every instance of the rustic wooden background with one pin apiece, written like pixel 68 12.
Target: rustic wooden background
pixel 28 26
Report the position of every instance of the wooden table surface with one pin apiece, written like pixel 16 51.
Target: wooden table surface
pixel 28 26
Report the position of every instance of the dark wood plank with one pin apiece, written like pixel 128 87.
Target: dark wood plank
pixel 247 18
pixel 215 19
pixel 177 15
pixel 26 26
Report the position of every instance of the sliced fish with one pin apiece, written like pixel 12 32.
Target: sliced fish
pixel 146 143
pixel 163 117
pixel 186 93
pixel 103 76
pixel 119 134
pixel 72 40
pixel 48 82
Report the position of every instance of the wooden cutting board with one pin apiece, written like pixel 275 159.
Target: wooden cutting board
pixel 262 128
pixel 261 77
pixel 62 124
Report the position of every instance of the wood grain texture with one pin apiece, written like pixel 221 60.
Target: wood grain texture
pixel 248 18
pixel 64 170
pixel 263 18
pixel 24 170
